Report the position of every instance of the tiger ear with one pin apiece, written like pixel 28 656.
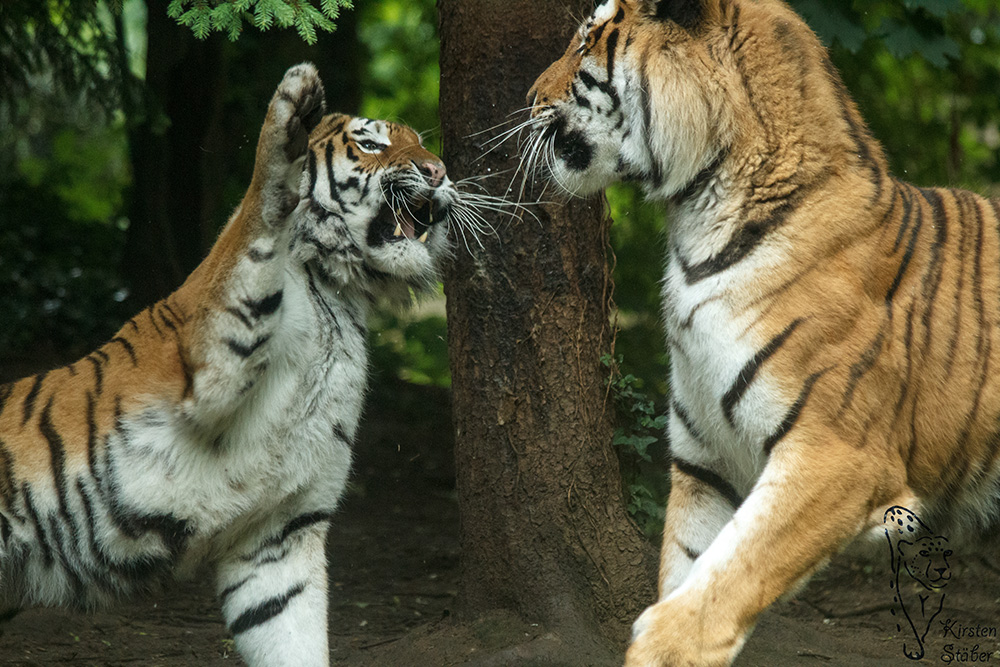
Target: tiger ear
pixel 688 14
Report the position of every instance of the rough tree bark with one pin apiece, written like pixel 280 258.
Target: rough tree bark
pixel 544 530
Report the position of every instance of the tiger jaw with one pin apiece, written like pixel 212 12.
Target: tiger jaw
pixel 409 221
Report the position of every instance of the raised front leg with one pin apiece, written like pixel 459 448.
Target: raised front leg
pixel 274 597
pixel 802 510
pixel 239 291
pixel 702 500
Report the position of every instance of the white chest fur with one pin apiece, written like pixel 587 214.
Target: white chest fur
pixel 285 450
pixel 711 342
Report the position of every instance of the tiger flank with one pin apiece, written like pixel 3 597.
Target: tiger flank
pixel 830 327
pixel 216 427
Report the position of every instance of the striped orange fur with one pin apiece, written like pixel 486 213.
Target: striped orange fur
pixel 831 327
pixel 215 428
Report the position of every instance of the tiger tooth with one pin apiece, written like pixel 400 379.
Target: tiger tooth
pixel 399 230
pixel 423 237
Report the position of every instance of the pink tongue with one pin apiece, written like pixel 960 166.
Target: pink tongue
pixel 407 225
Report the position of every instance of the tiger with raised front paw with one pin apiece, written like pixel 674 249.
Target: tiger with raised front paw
pixel 216 426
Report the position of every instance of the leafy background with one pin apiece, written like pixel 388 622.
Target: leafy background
pixel 924 72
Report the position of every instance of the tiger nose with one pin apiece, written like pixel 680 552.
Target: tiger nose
pixel 434 172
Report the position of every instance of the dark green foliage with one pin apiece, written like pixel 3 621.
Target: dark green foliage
pixel 640 440
pixel 59 286
pixel 207 16
pixel 401 77
pixel 412 349
pixel 63 44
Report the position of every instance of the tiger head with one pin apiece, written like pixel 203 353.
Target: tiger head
pixel 380 203
pixel 659 91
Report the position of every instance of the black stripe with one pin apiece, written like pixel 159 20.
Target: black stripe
pixel 264 306
pixel 98 374
pixel 173 313
pixel 748 236
pixel 57 452
pixel 8 482
pixel 907 256
pixel 749 371
pixel 792 416
pixel 932 277
pixel 43 541
pixel 238 314
pixel 5 530
pixel 334 189
pixel 311 168
pixel 656 176
pixel 5 391
pixel 612 44
pixel 152 320
pixel 245 350
pixel 32 396
pixel 858 369
pixel 340 434
pixel 702 178
pixel 128 348
pixel 301 521
pixel 595 36
pixel 265 611
pixel 688 551
pixel 66 560
pixel 92 437
pixel 685 420
pixel 91 523
pixel 229 590
pixel 906 196
pixel 166 320
pixel 710 478
pixel 959 287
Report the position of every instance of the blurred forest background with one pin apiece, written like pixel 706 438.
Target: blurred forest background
pixel 126 140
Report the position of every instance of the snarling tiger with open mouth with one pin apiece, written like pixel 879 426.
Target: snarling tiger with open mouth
pixel 216 427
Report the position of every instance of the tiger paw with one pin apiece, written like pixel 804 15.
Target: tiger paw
pixel 669 634
pixel 296 108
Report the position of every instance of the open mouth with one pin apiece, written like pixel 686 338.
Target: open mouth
pixel 408 219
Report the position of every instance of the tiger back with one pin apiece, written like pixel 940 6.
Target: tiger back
pixel 830 327
pixel 215 428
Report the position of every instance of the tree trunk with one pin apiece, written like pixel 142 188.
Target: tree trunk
pixel 544 531
pixel 193 134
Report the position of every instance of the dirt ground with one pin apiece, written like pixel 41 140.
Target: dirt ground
pixel 394 561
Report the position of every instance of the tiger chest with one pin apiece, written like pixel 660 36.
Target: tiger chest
pixel 728 406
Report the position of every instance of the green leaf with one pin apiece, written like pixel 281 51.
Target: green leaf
pixel 939 8
pixel 904 40
pixel 832 25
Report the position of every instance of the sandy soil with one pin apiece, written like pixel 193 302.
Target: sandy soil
pixel 394 571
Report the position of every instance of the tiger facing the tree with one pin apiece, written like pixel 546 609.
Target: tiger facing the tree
pixel 216 426
pixel 830 327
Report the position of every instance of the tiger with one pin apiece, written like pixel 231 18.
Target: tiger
pixel 829 326
pixel 215 429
